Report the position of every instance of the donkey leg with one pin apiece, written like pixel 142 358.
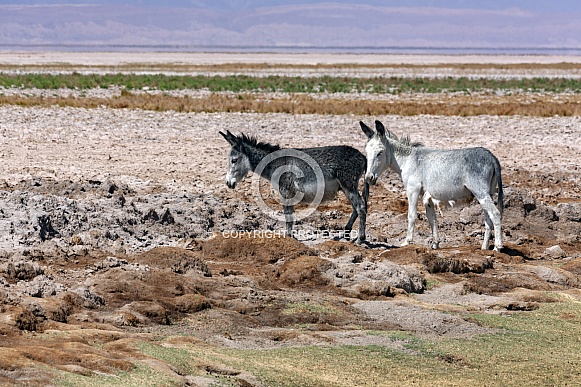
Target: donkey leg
pixel 359 206
pixel 413 195
pixel 433 222
pixel 362 221
pixel 288 217
pixel 494 214
pixel 487 227
pixel 360 210
pixel 352 219
pixel 496 221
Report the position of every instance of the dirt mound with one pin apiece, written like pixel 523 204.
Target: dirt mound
pixel 256 249
pixel 178 260
pixel 574 266
pixel 305 272
pixel 72 350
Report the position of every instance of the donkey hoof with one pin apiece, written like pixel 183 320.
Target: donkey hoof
pixel 435 246
pixel 406 243
pixel 498 248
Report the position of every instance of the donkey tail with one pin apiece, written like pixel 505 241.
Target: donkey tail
pixel 498 174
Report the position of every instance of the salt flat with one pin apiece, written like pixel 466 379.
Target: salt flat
pixel 204 58
pixel 348 65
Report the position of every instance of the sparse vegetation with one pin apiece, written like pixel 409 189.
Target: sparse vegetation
pixel 286 84
pixel 297 95
pixel 225 67
pixel 541 105
pixel 141 375
pixel 296 308
pixel 533 348
pixel 536 348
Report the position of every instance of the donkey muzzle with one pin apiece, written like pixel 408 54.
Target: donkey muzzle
pixel 371 178
pixel 231 184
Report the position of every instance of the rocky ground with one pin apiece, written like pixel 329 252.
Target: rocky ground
pixel 116 226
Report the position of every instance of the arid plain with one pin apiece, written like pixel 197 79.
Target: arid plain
pixel 118 263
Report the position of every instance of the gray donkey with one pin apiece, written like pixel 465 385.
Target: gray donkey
pixel 302 175
pixel 447 177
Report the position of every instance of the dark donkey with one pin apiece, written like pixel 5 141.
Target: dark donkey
pixel 302 175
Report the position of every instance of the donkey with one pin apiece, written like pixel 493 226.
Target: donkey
pixel 443 177
pixel 302 175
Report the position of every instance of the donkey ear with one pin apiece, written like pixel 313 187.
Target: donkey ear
pixel 380 128
pixel 229 137
pixel 366 129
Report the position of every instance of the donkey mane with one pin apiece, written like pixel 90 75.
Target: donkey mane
pixel 402 145
pixel 253 142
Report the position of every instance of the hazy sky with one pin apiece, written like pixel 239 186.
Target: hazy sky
pixel 536 5
pixel 293 23
pixel 533 5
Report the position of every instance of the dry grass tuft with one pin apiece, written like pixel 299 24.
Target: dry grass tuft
pixel 463 105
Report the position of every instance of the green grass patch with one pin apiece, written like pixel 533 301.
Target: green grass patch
pixel 245 83
pixel 178 358
pixel 141 375
pixel 433 283
pixel 240 93
pixel 296 308
pixel 538 348
pixel 534 348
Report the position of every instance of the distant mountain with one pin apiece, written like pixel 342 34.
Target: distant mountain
pixel 232 23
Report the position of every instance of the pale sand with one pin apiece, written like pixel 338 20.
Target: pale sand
pixel 118 58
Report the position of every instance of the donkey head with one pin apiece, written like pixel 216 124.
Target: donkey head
pixel 376 151
pixel 238 162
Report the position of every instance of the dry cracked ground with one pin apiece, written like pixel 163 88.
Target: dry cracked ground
pixel 116 228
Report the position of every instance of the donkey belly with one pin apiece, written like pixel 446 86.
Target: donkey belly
pixel 447 194
pixel 328 190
